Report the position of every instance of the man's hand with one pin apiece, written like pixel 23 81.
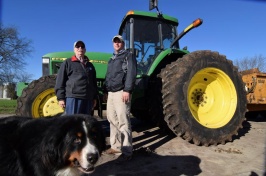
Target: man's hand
pixel 62 103
pixel 125 97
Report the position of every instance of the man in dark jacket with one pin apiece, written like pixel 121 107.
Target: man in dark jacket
pixel 119 82
pixel 76 85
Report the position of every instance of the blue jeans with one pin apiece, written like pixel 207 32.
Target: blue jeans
pixel 78 106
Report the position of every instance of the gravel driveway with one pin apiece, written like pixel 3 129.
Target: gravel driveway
pixel 162 155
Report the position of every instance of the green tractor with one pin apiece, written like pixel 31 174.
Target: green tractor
pixel 199 95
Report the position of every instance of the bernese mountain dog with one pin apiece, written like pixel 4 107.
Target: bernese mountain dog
pixel 56 146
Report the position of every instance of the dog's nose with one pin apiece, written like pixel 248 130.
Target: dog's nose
pixel 93 157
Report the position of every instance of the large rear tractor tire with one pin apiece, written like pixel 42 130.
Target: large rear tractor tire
pixel 204 99
pixel 39 99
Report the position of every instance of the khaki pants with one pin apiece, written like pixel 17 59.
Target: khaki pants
pixel 118 115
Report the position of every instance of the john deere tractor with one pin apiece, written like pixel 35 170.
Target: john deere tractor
pixel 199 95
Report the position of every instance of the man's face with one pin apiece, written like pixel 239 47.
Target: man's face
pixel 79 50
pixel 118 45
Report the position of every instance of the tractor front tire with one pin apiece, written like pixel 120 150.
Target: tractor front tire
pixel 39 99
pixel 204 99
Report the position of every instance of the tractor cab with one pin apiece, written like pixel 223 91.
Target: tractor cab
pixel 148 34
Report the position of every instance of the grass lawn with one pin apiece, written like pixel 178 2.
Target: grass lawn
pixel 8 106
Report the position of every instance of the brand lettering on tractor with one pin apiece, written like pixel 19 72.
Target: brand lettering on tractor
pixel 99 61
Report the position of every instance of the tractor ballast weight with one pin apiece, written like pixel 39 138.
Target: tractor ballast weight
pixel 200 95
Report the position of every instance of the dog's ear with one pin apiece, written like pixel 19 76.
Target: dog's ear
pixel 51 150
pixel 96 132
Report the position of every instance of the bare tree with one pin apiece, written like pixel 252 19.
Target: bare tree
pixel 11 91
pixel 247 63
pixel 13 50
pixel 24 77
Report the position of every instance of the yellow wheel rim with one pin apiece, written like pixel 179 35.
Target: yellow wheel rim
pixel 46 104
pixel 212 97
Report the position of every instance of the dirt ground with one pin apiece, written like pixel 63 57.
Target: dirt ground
pixel 158 154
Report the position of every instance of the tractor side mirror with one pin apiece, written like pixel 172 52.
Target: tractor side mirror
pixel 153 4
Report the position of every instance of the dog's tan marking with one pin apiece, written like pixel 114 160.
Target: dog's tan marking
pixel 79 134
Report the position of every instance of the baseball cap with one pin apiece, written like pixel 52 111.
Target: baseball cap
pixel 119 37
pixel 79 42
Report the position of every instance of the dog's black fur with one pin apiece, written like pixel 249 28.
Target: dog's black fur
pixel 66 145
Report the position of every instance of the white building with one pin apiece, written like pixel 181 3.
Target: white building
pixel 3 90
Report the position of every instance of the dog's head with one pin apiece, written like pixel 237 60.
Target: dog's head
pixel 76 142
